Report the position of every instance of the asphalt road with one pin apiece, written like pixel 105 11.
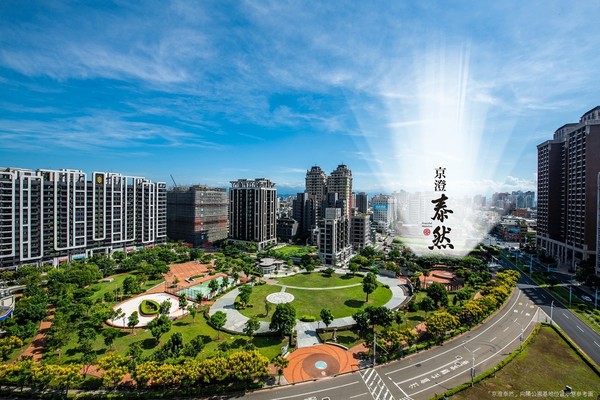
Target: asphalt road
pixel 423 375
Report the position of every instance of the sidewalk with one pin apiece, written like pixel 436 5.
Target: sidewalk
pixel 307 331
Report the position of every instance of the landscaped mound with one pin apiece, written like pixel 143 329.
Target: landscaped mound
pixel 149 308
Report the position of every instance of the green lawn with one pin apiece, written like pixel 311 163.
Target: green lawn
pixel 101 287
pixel 269 346
pixel 342 302
pixel 293 250
pixel 317 280
pixel 547 364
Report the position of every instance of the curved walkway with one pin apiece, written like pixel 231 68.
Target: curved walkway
pixel 307 331
pixel 317 288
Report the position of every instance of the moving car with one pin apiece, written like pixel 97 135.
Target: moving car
pixel 586 298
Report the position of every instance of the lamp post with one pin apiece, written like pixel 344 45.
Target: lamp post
pixel 596 298
pixel 551 309
pixel 521 337
pixel 570 295
pixel 374 347
pixel 530 264
pixel 473 364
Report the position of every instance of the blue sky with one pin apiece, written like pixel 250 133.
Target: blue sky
pixel 214 91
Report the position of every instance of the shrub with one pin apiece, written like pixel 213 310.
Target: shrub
pixel 149 308
pixel 307 318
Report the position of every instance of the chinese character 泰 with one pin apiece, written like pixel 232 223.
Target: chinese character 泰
pixel 441 210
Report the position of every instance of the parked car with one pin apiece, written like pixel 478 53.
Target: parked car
pixel 586 298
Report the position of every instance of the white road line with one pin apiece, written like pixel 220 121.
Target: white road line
pixel 406 396
pixel 596 343
pixel 413 378
pixel 505 329
pixel 468 369
pixel 479 348
pixel 359 395
pixel 566 316
pixel 316 391
pixel 506 313
pixel 515 319
pixel 492 339
pixel 578 327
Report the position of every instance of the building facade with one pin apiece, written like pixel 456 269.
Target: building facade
pixel 197 214
pixel 568 167
pixel 51 216
pixel 360 231
pixel 384 209
pixel 362 203
pixel 334 246
pixel 253 212
pixel 340 182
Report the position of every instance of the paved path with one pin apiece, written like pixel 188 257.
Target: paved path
pixel 306 331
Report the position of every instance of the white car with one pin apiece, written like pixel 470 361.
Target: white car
pixel 587 298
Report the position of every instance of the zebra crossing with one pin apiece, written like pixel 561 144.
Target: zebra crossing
pixel 375 384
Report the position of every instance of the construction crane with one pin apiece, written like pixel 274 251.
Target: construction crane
pixel 173 179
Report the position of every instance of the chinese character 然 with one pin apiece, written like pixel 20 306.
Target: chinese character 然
pixel 440 173
pixel 441 213
pixel 439 185
pixel 440 238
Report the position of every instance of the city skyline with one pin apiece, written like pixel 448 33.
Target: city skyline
pixel 213 92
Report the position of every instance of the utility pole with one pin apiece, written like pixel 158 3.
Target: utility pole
pixel 570 295
pixel 472 365
pixel 551 309
pixel 374 347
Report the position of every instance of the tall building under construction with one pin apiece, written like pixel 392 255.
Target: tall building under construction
pixel 197 214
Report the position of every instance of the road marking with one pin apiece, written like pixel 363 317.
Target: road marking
pixel 566 316
pixel 516 311
pixel 491 326
pixel 544 296
pixel 406 396
pixel 377 387
pixel 515 319
pixel 527 314
pixel 316 391
pixel 358 395
pixel 492 339
pixel 505 329
pixel 596 343
pixel 455 362
pixel 578 327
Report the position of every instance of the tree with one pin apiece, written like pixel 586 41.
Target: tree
pixel 131 285
pixel 326 316
pixel 362 322
pixel 7 345
pixel 437 292
pixel 251 326
pixel 283 319
pixel 213 285
pixel 117 314
pixel 133 320
pixel 329 272
pixel 159 326
pixel 354 267
pixel 427 304
pixel 110 334
pixel 280 363
pixel 224 283
pixel 193 310
pixel 218 320
pixel 369 284
pixel 267 307
pixel 199 297
pixel 245 292
pixel 165 307
pixel 114 368
pixel 439 323
pixel 194 347
pixel 182 302
pixel 134 352
pixel 381 316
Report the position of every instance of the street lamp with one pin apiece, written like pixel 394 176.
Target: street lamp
pixel 473 364
pixel 551 309
pixel 521 337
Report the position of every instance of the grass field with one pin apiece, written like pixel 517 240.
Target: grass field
pixel 341 302
pixel 547 364
pixel 269 346
pixel 293 250
pixel 104 287
pixel 317 280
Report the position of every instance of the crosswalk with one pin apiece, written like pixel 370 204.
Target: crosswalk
pixel 375 384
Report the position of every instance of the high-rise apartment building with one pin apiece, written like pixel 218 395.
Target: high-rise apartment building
pixel 360 231
pixel 340 182
pixel 384 209
pixel 334 247
pixel 197 214
pixel 50 216
pixel 362 203
pixel 253 212
pixel 568 167
pixel 303 211
pixel 316 188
